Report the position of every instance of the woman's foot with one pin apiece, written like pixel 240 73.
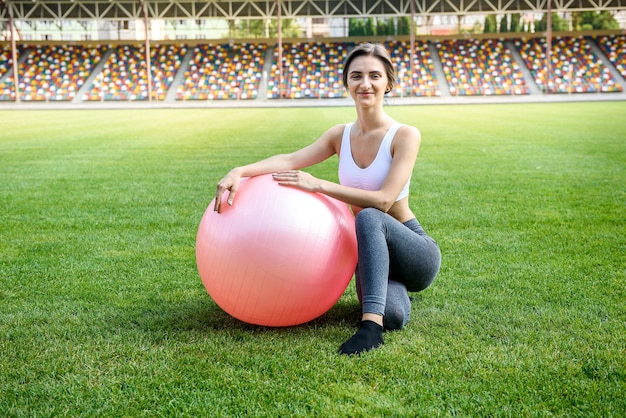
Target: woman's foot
pixel 368 337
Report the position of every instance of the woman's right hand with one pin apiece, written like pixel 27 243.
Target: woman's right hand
pixel 229 183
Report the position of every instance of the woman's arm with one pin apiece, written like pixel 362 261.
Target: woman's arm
pixel 318 151
pixel 404 153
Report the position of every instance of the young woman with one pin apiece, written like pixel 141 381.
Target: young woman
pixel 376 160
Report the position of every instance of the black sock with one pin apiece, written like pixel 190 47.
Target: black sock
pixel 369 336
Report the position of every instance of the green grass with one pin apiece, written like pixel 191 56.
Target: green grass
pixel 102 311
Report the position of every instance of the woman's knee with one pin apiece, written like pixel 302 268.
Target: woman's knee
pixel 395 318
pixel 368 216
pixel 398 306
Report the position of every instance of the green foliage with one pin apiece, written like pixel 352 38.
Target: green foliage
pixel 379 26
pixel 260 28
pixel 369 28
pixel 504 24
pixel 558 24
pixel 476 28
pixel 491 25
pixel 516 23
pixel 404 25
pixel 355 27
pixel 594 20
pixel 102 312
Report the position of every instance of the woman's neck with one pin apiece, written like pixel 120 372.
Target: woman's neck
pixel 370 119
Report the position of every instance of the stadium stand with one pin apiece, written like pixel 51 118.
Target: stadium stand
pixel 480 67
pixel 314 70
pixel 5 60
pixel 6 93
pixel 423 81
pixel 223 72
pixel 124 73
pixel 310 70
pixel 53 73
pixel 462 67
pixel 614 47
pixel 575 68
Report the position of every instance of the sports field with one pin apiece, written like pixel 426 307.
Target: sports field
pixel 102 311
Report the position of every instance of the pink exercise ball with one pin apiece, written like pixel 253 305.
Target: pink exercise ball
pixel 279 256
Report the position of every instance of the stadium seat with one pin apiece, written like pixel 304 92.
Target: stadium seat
pixel 310 70
pixel 480 67
pixel 223 71
pixel 54 73
pixel 574 66
pixel 614 47
pixel 5 59
pixel 124 74
pixel 423 81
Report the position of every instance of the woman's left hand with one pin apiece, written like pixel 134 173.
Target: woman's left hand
pixel 298 179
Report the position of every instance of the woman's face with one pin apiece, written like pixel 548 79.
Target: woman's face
pixel 367 79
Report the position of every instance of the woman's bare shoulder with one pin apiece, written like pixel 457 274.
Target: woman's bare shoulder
pixel 409 131
pixel 334 134
pixel 337 130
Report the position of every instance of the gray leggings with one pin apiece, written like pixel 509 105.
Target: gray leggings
pixel 394 258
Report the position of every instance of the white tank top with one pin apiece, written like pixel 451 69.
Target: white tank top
pixel 372 176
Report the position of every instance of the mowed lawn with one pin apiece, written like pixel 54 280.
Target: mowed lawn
pixel 102 311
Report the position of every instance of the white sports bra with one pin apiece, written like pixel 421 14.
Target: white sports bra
pixel 372 176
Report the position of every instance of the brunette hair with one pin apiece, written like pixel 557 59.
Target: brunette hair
pixel 373 50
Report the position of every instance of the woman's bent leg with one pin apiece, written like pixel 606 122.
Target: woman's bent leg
pixel 393 257
pixel 389 252
pixel 397 305
pixel 397 308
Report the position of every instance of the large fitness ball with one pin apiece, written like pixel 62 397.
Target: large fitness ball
pixel 279 256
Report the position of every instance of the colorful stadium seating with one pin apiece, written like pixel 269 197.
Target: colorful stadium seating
pixel 223 72
pixel 575 68
pixel 310 69
pixel 6 92
pixel 5 59
pixel 424 79
pixel 480 67
pixel 614 47
pixel 124 74
pixel 54 73
pixel 315 70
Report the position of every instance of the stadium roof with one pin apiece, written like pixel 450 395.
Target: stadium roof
pixel 254 9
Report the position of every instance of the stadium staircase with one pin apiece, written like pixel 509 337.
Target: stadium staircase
pixel 23 57
pixel 619 78
pixel 439 74
pixel 267 69
pixel 180 75
pixel 96 71
pixel 530 80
